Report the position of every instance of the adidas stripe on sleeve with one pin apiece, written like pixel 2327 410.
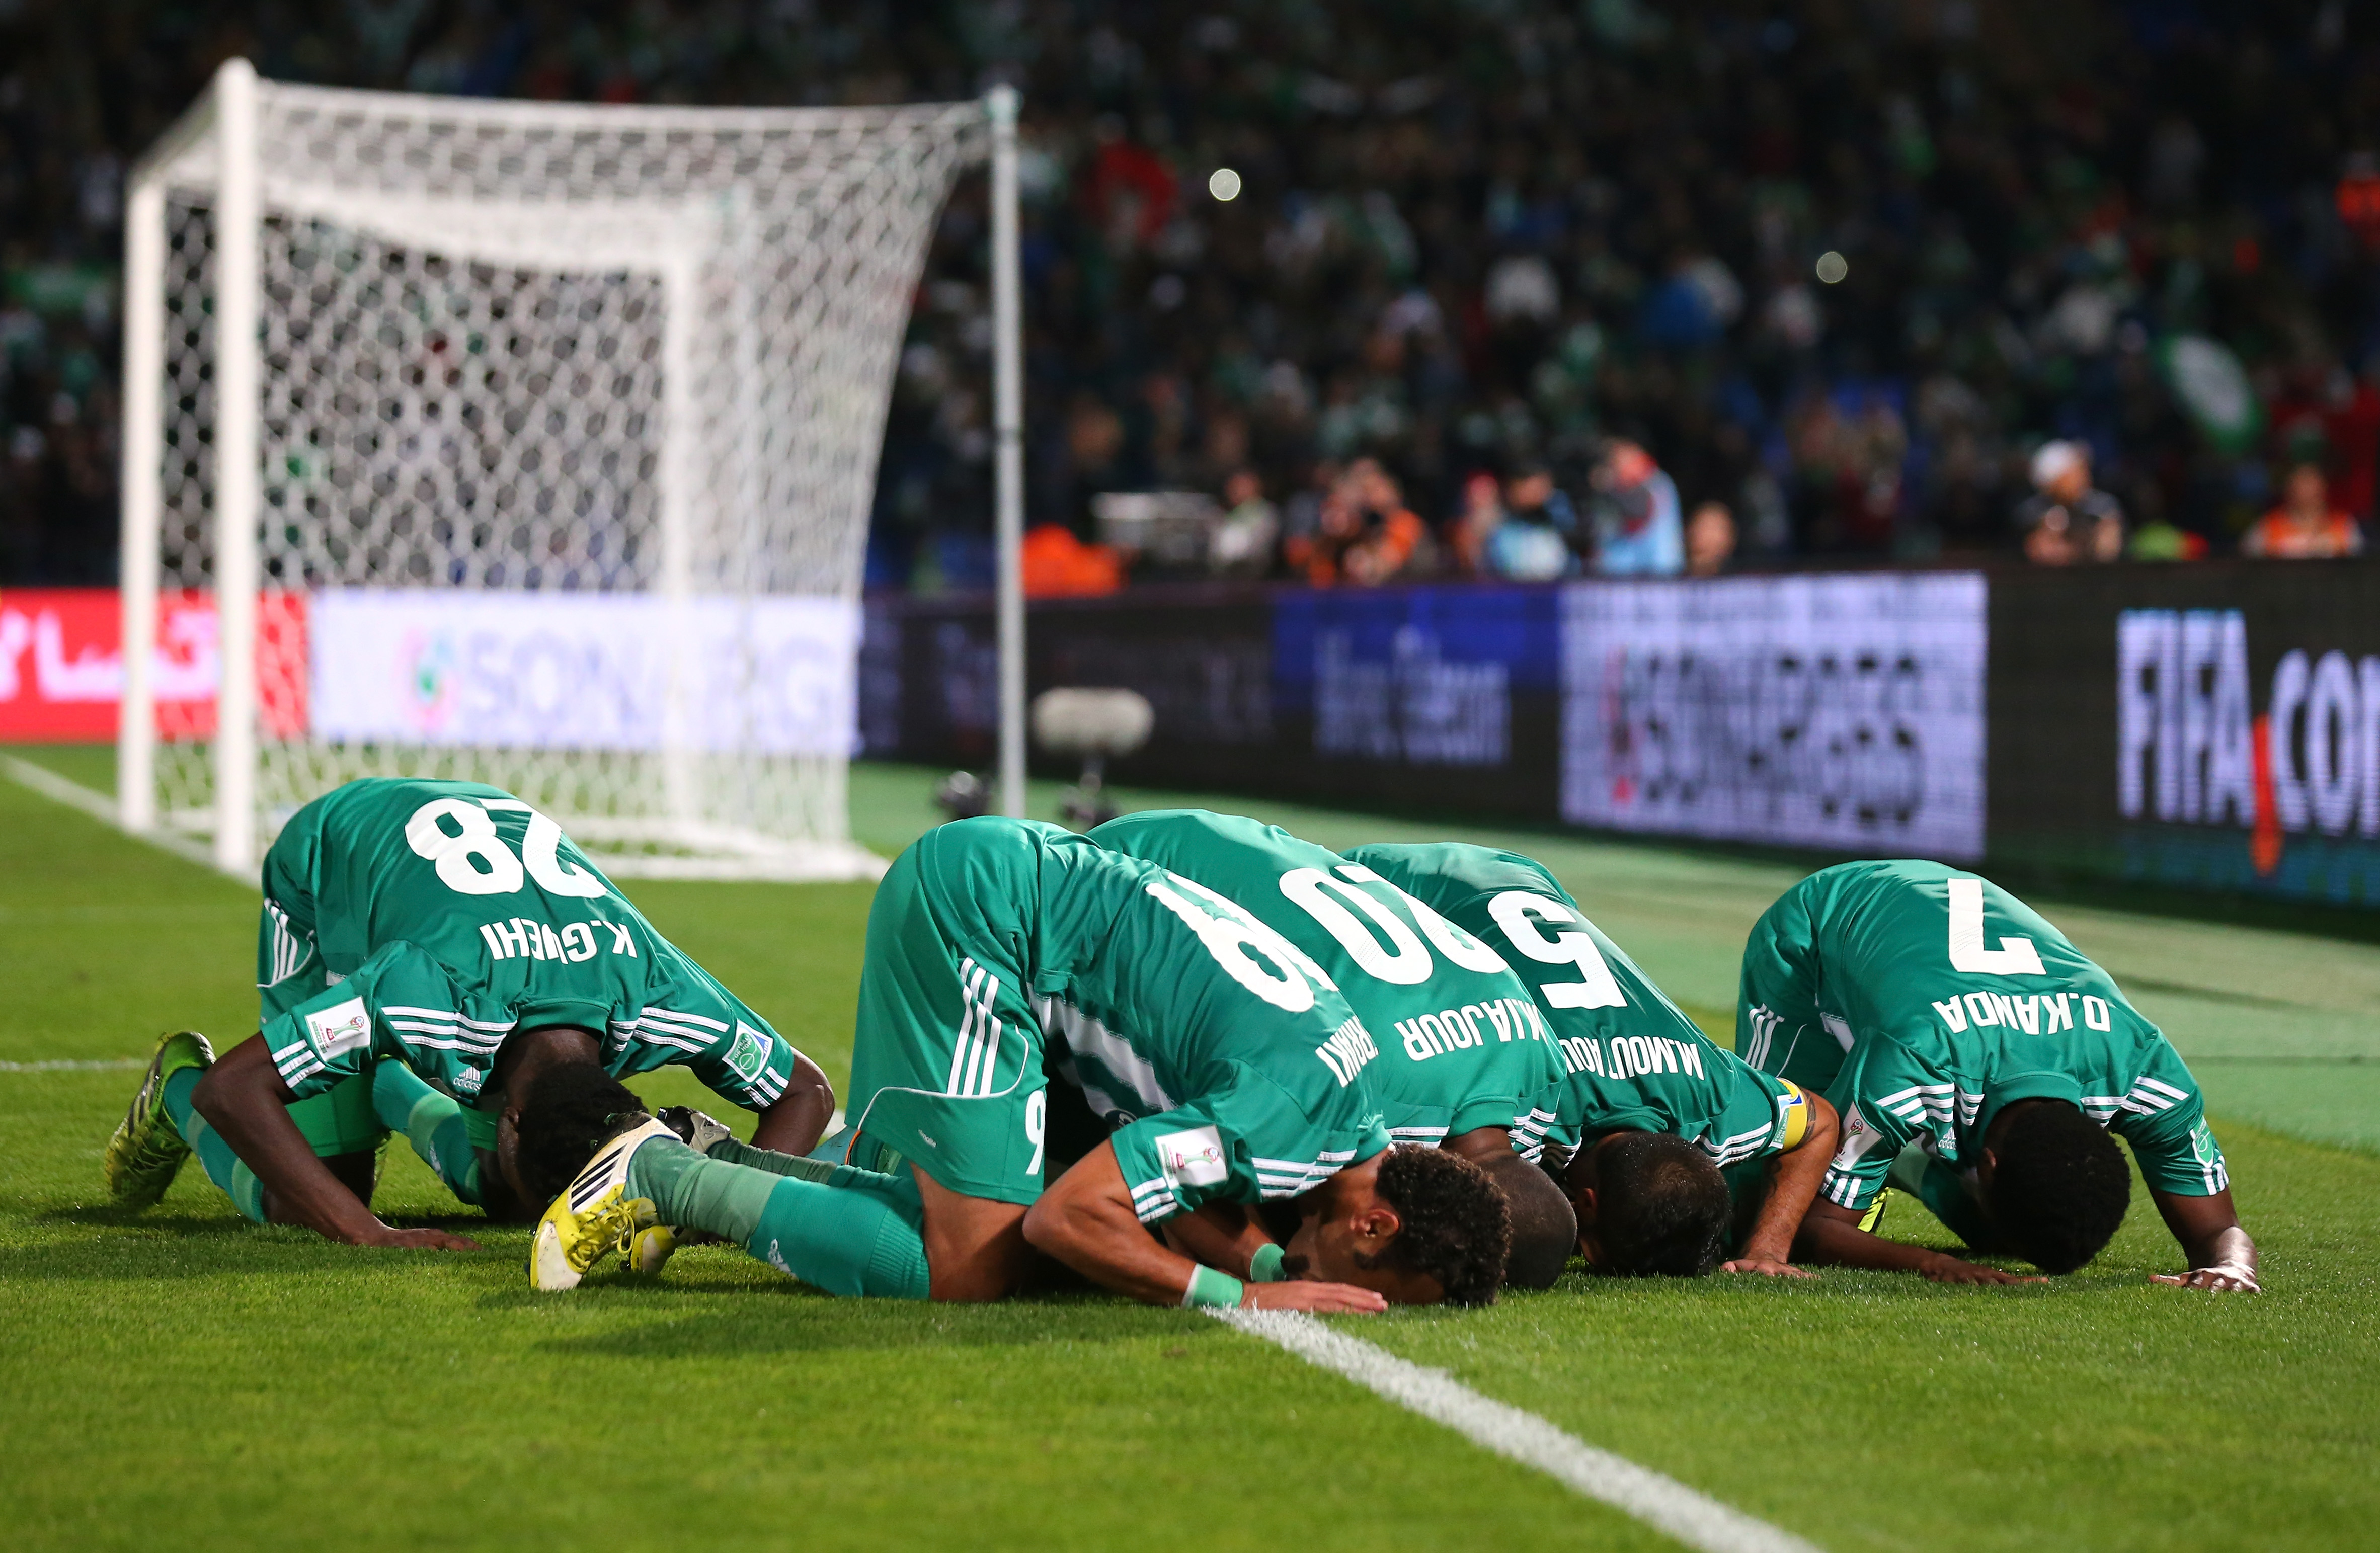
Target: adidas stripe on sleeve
pixel 399 1003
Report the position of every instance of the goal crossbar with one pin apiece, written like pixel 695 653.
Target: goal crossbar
pixel 550 432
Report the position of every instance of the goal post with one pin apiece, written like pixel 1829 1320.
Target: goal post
pixel 522 441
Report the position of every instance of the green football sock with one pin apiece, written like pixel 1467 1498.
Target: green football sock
pixel 694 1192
pixel 862 1234
pixel 223 1167
pixel 734 1152
pixel 855 1233
pixel 432 1123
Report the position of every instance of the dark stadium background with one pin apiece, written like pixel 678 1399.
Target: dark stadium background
pixel 1843 268
pixel 1474 236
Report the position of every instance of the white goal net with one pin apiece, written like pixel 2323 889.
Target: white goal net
pixel 528 443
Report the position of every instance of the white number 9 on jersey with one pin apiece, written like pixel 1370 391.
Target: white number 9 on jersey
pixel 473 860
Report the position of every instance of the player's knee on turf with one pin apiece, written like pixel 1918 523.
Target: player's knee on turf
pixel 2054 1183
pixel 1651 1205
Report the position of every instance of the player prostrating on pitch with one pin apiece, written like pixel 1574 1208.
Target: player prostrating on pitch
pixel 1936 1007
pixel 1463 1051
pixel 1233 1073
pixel 1677 1153
pixel 428 953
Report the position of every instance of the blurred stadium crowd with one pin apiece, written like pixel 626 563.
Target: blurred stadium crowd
pixel 1500 287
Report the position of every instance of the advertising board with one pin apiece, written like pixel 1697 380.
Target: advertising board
pixel 1841 712
pixel 62 664
pixel 2214 727
pixel 772 674
pixel 1442 698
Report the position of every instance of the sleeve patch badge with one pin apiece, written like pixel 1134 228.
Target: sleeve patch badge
pixel 341 1027
pixel 1858 1138
pixel 1194 1158
pixel 749 1055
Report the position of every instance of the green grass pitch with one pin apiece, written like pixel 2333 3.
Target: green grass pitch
pixel 179 1379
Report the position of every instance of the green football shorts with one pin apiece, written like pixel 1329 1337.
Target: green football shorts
pixel 340 1120
pixel 946 1056
pixel 1799 1045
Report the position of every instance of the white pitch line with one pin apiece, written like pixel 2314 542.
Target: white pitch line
pixel 1664 1503
pixel 78 1065
pixel 101 808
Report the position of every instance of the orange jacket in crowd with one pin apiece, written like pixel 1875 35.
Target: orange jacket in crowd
pixel 1057 565
pixel 2281 537
pixel 1366 562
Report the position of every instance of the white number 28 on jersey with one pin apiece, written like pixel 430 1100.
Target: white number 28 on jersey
pixel 473 860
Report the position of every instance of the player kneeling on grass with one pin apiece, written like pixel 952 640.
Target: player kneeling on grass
pixel 1463 1050
pixel 1934 1007
pixel 1677 1155
pixel 428 951
pixel 1231 1074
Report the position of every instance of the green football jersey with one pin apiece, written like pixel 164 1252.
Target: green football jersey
pixel 1634 1062
pixel 1943 998
pixel 1227 1069
pixel 1461 1043
pixel 445 915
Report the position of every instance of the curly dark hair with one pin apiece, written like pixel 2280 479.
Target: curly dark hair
pixel 2060 1186
pixel 1457 1227
pixel 1663 1209
pixel 566 1114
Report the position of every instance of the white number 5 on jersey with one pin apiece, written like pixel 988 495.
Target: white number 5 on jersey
pixel 1519 912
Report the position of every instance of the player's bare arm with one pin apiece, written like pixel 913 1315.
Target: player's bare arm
pixel 243 1097
pixel 1830 1236
pixel 2221 1256
pixel 1793 1178
pixel 1224 1236
pixel 1086 1221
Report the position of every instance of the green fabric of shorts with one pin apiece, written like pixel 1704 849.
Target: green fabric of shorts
pixel 340 1120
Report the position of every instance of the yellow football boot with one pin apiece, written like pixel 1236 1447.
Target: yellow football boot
pixel 595 1216
pixel 147 1150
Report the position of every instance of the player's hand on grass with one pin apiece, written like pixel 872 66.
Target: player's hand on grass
pixel 2228 1279
pixel 1943 1269
pixel 1768 1267
pixel 416 1239
pixel 1299 1294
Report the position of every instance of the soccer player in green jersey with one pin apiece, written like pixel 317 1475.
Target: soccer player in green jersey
pixel 1463 1048
pixel 426 951
pixel 1230 1072
pixel 1676 1151
pixel 1937 1008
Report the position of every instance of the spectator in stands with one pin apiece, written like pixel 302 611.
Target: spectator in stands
pixel 1533 499
pixel 1638 529
pixel 1520 543
pixel 1711 540
pixel 1056 564
pixel 1243 543
pixel 2305 527
pixel 2067 519
pixel 1365 535
pixel 1464 239
pixel 1470 531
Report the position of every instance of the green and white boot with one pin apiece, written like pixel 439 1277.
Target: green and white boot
pixel 147 1150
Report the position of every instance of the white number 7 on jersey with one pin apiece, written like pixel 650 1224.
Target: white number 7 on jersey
pixel 2015 956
